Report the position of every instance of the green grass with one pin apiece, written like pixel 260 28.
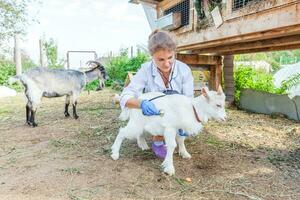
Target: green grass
pixel 71 170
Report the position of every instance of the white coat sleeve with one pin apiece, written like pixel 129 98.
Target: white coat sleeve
pixel 135 87
pixel 188 83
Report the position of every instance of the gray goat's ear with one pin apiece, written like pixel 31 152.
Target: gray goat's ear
pixel 220 90
pixel 204 92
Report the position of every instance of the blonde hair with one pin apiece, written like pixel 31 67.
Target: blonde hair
pixel 160 40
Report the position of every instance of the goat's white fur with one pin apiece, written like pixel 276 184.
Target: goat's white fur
pixel 178 114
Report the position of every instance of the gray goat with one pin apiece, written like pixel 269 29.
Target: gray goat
pixel 44 82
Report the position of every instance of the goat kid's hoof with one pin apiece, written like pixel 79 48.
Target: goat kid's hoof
pixel 76 117
pixel 169 170
pixel 67 115
pixel 185 155
pixel 115 156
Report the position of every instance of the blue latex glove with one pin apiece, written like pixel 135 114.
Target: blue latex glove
pixel 148 108
pixel 182 133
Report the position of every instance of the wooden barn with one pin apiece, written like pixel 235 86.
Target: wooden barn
pixel 210 32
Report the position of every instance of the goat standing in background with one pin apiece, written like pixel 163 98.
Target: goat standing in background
pixel 179 112
pixel 44 82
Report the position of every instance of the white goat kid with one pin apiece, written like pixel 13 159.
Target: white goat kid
pixel 180 112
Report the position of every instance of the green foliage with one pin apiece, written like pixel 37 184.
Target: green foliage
pixel 200 9
pixel 8 69
pixel 118 67
pixel 214 3
pixel 292 81
pixel 275 58
pixel 13 17
pixel 50 48
pixel 247 77
pixel 92 85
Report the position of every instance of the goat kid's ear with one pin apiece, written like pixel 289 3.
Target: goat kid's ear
pixel 220 90
pixel 204 92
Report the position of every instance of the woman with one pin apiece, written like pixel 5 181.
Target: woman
pixel 162 74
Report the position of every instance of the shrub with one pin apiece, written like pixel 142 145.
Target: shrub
pixel 118 67
pixel 289 83
pixel 8 69
pixel 247 77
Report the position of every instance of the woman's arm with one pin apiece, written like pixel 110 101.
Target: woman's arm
pixel 188 83
pixel 133 103
pixel 134 90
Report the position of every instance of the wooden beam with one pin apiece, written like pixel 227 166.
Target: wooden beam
pixel 278 48
pixel 281 41
pixel 194 59
pixel 145 1
pixel 166 4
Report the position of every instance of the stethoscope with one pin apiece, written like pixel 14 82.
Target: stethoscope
pixel 170 79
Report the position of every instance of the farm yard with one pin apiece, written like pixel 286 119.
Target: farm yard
pixel 246 51
pixel 250 156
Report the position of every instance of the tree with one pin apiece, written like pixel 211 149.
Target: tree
pixel 50 48
pixel 13 17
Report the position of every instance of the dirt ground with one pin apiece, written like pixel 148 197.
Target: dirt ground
pixel 249 156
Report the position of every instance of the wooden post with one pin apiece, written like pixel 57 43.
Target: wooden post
pixel 17 55
pixel 131 51
pixel 212 78
pixel 42 58
pixel 68 60
pixel 219 73
pixel 228 78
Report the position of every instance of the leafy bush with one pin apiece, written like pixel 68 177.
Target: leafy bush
pixel 118 67
pixel 51 50
pixel 247 77
pixel 292 81
pixel 92 85
pixel 8 69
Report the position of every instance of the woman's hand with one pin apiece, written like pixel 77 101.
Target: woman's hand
pixel 148 108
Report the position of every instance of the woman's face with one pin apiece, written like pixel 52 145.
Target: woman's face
pixel 164 59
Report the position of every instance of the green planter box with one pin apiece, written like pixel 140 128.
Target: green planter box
pixel 267 103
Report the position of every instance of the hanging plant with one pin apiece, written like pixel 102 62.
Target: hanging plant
pixel 199 8
pixel 214 3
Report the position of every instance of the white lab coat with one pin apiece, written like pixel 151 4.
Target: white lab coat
pixel 148 79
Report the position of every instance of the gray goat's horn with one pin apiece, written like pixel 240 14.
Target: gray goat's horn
pixel 94 62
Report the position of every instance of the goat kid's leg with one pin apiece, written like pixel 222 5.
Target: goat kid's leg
pixel 115 148
pixel 67 103
pixel 131 131
pixel 181 147
pixel 142 142
pixel 169 134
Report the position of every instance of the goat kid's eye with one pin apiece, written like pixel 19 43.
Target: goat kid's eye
pixel 219 106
